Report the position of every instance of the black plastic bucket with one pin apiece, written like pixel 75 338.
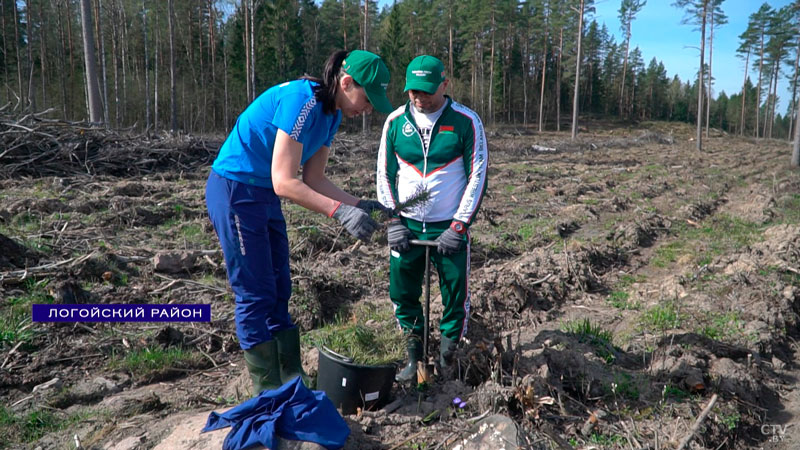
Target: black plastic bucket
pixel 350 386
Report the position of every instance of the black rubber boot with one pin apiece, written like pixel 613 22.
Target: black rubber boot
pixel 409 372
pixel 291 365
pixel 447 349
pixel 262 363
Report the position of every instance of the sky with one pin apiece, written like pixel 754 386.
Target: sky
pixel 658 32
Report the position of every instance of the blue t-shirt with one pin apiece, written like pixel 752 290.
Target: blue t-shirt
pixel 246 155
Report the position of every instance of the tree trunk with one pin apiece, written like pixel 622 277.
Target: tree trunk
pixel 474 75
pixel 71 48
pixel 758 88
pixel 541 88
pixel 774 96
pixel 701 81
pixel 43 53
pixel 624 68
pixel 226 106
pixel 794 89
pixel 146 69
pixel 29 46
pixel 450 72
pixel 22 99
pixel 796 150
pixel 123 44
pixel 173 99
pixel 344 24
pixel 524 58
pixel 365 47
pixel 558 79
pixel 744 93
pixel 102 48
pixel 577 74
pixel 491 72
pixel 710 62
pixel 5 51
pixel 93 91
pixel 765 130
pixel 246 37
pixel 115 26
pixel 212 43
pixel 156 65
pixel 253 49
pixel 62 61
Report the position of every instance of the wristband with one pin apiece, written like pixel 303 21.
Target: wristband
pixel 333 211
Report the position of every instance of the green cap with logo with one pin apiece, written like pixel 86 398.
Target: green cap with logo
pixel 424 73
pixel 369 71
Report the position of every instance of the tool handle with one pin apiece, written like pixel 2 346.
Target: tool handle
pixel 423 242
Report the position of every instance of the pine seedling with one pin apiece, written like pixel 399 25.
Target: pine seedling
pixel 420 196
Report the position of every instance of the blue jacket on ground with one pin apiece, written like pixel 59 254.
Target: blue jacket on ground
pixel 292 412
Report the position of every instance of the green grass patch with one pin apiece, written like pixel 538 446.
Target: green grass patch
pixel 623 386
pixel 369 336
pixel 721 326
pixel 151 363
pixel 600 339
pixel 654 170
pixel 667 254
pixel 15 314
pixel 621 300
pixel 721 234
pixel 527 231
pixel 31 426
pixel 789 208
pixel 673 392
pixel 661 317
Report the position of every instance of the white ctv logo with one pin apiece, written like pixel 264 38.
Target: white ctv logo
pixel 777 432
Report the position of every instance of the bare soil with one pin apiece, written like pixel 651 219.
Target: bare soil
pixel 618 281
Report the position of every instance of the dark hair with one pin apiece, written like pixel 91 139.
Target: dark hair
pixel 325 91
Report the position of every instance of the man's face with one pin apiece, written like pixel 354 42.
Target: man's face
pixel 427 103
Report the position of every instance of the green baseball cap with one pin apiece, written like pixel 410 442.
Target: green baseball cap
pixel 424 73
pixel 369 71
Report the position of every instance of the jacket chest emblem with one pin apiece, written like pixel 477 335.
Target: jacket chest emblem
pixel 408 129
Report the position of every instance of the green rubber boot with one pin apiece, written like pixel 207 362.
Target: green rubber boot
pixel 409 372
pixel 289 355
pixel 262 363
pixel 447 349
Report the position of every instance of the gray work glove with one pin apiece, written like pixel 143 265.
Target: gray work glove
pixel 398 236
pixel 372 205
pixel 450 242
pixel 355 221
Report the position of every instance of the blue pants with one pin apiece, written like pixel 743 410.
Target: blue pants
pixel 252 232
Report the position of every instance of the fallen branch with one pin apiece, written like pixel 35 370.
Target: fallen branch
pixel 697 423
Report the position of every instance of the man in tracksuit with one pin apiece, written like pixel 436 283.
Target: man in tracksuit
pixel 432 144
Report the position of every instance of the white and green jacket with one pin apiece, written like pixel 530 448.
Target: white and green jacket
pixel 453 169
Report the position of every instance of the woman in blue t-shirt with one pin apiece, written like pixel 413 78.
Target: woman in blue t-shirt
pixel 288 126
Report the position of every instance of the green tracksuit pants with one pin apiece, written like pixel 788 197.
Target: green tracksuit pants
pixel 407 275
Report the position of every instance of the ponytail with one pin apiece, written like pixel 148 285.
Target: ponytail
pixel 325 91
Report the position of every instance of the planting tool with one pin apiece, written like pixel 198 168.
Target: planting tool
pixel 423 373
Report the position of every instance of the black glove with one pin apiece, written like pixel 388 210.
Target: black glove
pixel 398 236
pixel 372 205
pixel 355 221
pixel 450 242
